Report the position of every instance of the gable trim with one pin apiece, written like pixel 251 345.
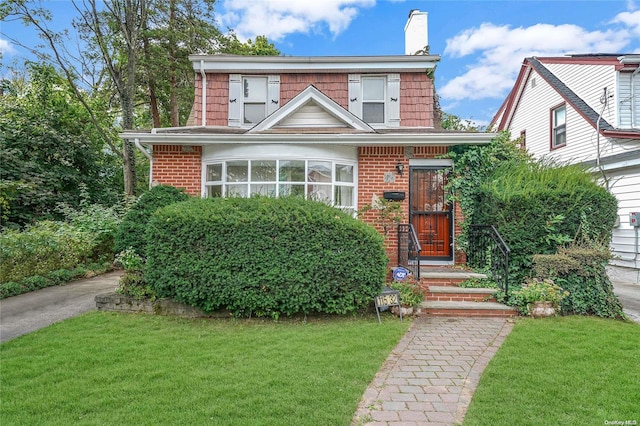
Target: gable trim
pixel 311 93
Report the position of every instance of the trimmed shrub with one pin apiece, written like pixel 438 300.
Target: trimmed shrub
pixel 538 207
pixel 585 278
pixel 264 256
pixel 130 233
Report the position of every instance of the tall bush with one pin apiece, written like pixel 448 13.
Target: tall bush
pixel 539 206
pixel 131 231
pixel 264 256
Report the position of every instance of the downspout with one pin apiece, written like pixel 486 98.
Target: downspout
pixel 634 113
pixel 149 157
pixel 204 93
pixel 604 100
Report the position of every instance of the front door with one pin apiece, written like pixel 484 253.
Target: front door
pixel 430 213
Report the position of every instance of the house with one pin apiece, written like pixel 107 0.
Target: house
pixel 585 109
pixel 345 130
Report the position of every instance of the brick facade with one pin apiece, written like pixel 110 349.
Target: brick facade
pixel 179 166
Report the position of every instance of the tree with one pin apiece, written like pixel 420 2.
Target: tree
pixel 50 153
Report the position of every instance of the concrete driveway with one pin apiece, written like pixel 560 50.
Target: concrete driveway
pixel 28 312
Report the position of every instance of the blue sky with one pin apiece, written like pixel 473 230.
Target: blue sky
pixel 482 43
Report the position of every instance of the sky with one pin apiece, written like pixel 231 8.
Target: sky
pixel 482 44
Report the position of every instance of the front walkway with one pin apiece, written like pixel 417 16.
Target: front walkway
pixel 431 375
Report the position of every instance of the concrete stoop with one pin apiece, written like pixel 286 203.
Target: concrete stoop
pixel 443 297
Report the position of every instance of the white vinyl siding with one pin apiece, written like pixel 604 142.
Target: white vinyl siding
pixel 629 100
pixel 623 244
pixel 311 115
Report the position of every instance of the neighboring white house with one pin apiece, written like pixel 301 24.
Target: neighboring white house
pixel 585 109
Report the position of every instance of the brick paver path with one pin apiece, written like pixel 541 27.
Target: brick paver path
pixel 430 376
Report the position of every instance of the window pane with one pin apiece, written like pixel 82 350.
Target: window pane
pixel 560 136
pixel 214 191
pixel 319 171
pixel 292 190
pixel 237 171
pixel 560 116
pixel 344 196
pixel 237 190
pixel 266 189
pixel 254 113
pixel 319 193
pixel 263 171
pixel 291 171
pixel 344 173
pixel 214 172
pixel 373 89
pixel 255 89
pixel 373 112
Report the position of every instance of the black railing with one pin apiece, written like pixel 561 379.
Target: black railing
pixel 409 249
pixel 488 252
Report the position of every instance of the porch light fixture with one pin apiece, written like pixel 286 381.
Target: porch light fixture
pixel 399 168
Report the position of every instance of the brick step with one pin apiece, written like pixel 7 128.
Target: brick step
pixel 467 309
pixel 458 294
pixel 446 277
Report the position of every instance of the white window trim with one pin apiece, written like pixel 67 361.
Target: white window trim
pixel 554 126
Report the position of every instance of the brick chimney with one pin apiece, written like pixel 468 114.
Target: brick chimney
pixel 415 33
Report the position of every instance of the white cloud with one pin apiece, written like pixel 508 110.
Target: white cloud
pixel 500 50
pixel 6 48
pixel 278 18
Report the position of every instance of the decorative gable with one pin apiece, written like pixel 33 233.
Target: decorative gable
pixel 311 109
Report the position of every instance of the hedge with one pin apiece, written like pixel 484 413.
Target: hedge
pixel 538 207
pixel 264 256
pixel 130 233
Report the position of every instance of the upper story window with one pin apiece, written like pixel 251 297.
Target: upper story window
pixel 252 98
pixel 375 99
pixel 558 126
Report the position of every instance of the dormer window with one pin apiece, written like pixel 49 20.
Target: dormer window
pixel 375 99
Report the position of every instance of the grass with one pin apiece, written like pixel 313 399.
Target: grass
pixel 566 370
pixel 108 368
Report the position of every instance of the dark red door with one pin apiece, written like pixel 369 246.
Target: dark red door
pixel 431 213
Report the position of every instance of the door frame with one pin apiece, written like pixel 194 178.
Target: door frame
pixel 434 165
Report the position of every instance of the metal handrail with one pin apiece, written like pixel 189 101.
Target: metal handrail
pixel 487 250
pixel 409 249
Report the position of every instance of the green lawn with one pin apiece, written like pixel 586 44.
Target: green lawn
pixel 562 371
pixel 108 368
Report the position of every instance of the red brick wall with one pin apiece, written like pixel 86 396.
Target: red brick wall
pixel 373 163
pixel 178 166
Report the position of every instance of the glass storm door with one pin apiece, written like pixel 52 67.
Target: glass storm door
pixel 430 213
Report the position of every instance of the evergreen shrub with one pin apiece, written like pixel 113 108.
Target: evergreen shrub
pixel 132 228
pixel 581 271
pixel 264 256
pixel 538 207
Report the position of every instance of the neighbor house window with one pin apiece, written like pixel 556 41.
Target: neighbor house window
pixel 373 99
pixel 331 182
pixel 254 99
pixel 558 126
